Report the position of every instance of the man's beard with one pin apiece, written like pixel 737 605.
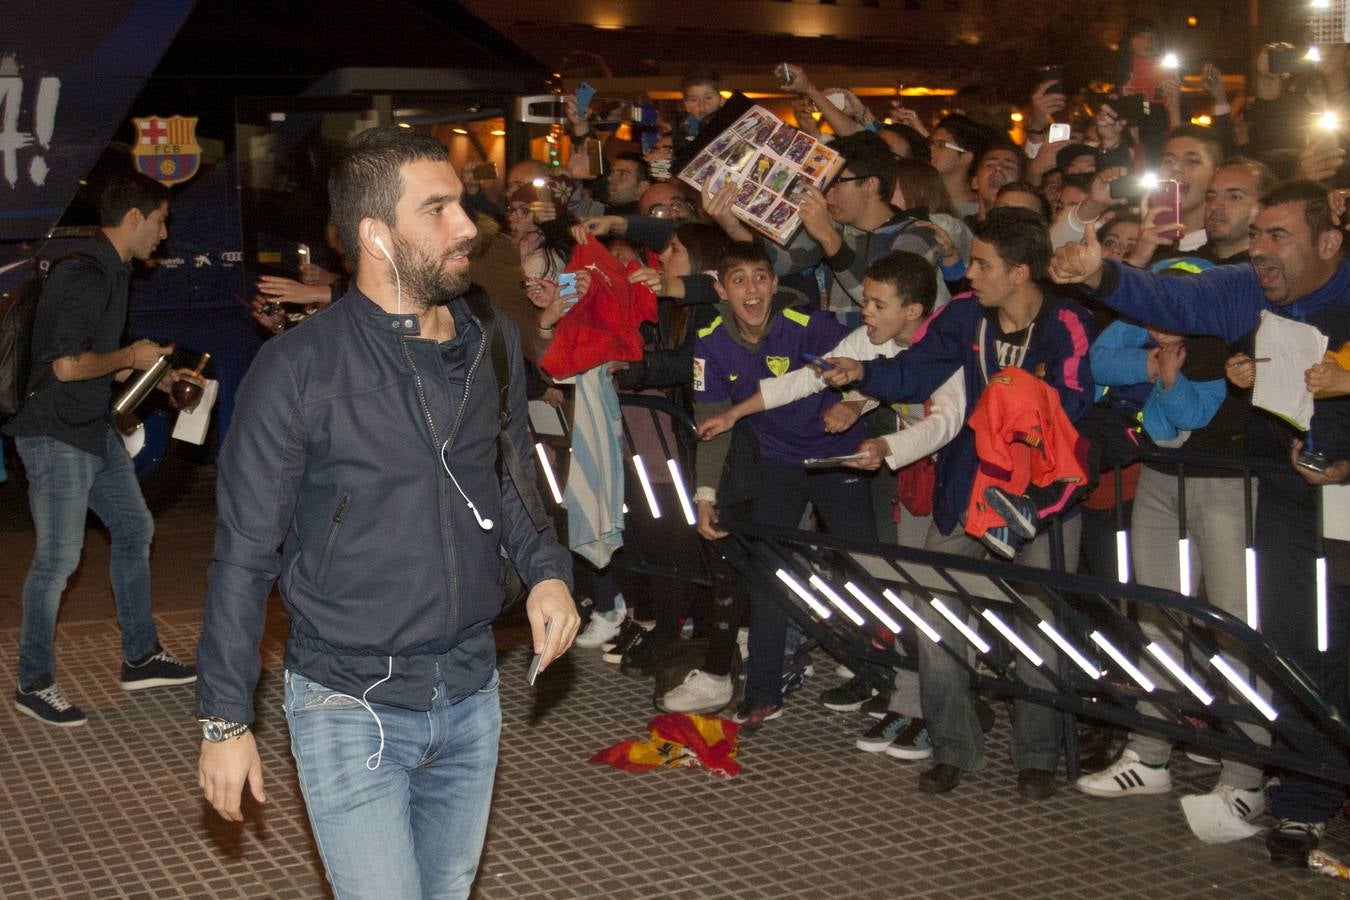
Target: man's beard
pixel 425 281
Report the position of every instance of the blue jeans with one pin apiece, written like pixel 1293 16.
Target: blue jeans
pixel 403 813
pixel 63 483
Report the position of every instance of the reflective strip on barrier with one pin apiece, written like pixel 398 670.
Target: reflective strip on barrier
pixel 1121 660
pixel 833 596
pixel 1012 637
pixel 800 590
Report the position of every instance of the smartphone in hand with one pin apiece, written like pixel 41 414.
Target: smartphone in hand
pixel 818 361
pixel 1167 196
pixel 533 672
pixel 567 289
pixel 585 94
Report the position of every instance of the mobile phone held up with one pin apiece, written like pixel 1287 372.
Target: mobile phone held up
pixel 1292 60
pixel 784 75
pixel 585 94
pixel 1166 196
pixel 1053 74
pixel 567 289
pixel 818 361
pixel 1059 131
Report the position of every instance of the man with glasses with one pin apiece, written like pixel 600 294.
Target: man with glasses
pixel 851 225
pixel 955 144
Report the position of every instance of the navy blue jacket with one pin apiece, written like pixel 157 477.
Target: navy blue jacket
pixel 1227 301
pixel 331 479
pixel 1057 352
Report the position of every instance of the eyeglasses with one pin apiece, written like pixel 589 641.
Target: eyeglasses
pixel 670 209
pixel 517 210
pixel 934 142
pixel 844 179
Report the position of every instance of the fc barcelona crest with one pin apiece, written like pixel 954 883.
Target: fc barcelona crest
pixel 166 149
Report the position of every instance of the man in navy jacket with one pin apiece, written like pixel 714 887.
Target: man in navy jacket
pixel 1011 321
pixel 365 446
pixel 1296 271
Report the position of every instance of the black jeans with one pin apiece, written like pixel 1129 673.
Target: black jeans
pixel 843 500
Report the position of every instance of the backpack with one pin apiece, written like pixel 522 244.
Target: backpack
pixel 18 312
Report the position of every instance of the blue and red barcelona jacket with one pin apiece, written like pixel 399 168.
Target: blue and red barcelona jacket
pixel 1057 351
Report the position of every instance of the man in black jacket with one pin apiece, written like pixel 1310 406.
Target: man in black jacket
pixel 368 446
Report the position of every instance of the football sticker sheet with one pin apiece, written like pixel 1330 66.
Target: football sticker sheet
pixel 770 162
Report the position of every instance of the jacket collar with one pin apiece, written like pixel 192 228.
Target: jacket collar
pixel 370 314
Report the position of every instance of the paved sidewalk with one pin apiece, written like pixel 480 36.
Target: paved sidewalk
pixel 112 809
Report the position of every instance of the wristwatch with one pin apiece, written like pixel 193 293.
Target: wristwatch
pixel 216 730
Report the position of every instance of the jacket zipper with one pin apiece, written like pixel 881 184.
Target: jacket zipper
pixel 435 437
pixel 332 539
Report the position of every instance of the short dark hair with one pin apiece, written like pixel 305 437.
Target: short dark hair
pixel 701 75
pixel 1019 236
pixel 741 253
pixel 126 191
pixel 1007 146
pixel 1206 136
pixel 1265 178
pixel 868 156
pixel 910 274
pixel 918 144
pixel 644 169
pixel 366 182
pixel 1023 187
pixel 1313 196
pixel 970 135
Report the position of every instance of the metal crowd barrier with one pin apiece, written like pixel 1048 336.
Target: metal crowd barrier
pixel 855 598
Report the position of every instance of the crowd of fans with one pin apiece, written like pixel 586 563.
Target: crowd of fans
pixel 978 329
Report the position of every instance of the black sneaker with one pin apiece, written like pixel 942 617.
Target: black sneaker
pixel 1288 842
pixel 751 714
pixel 159 669
pixel 878 706
pixel 642 659
pixel 1016 509
pixel 626 631
pixel 625 643
pixel 1003 541
pixel 793 678
pixel 849 696
pixel 45 702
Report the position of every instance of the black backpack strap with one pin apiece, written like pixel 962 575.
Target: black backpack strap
pixel 49 374
pixel 501 369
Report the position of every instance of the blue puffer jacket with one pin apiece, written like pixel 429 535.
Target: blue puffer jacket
pixel 335 458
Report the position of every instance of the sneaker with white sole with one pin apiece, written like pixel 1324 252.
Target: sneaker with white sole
pixel 1003 541
pixel 912 742
pixel 698 693
pixel 601 629
pixel 1289 842
pixel 625 632
pixel 45 702
pixel 750 715
pixel 159 669
pixel 849 696
pixel 627 643
pixel 1016 509
pixel 1224 814
pixel 1126 777
pixel 882 733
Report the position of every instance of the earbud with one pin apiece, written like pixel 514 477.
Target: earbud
pixel 483 523
pixel 398 282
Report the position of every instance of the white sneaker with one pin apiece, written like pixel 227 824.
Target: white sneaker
pixel 1125 777
pixel 698 693
pixel 743 641
pixel 1224 814
pixel 602 628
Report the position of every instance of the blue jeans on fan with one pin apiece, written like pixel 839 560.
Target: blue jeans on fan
pixel 63 484
pixel 399 804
